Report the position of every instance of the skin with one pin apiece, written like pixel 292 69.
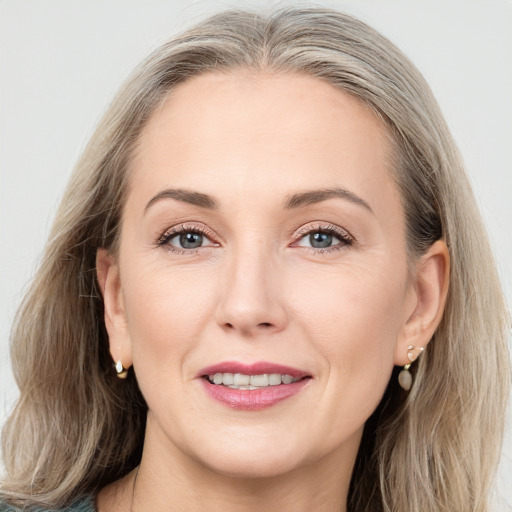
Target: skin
pixel 257 291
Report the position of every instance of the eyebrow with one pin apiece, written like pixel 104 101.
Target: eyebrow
pixel 316 196
pixel 186 196
pixel 297 200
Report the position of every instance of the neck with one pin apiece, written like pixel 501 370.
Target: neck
pixel 187 484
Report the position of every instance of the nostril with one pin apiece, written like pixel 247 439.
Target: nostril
pixel 265 324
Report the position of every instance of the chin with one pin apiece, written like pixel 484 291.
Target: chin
pixel 254 459
pixel 256 467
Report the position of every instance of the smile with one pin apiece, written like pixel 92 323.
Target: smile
pixel 252 387
pixel 241 381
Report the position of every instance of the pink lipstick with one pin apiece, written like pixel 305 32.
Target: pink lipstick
pixel 252 386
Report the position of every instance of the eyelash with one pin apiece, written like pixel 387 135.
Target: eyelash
pixel 343 236
pixel 164 240
pixel 329 229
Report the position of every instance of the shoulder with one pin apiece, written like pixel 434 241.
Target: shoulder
pixel 84 504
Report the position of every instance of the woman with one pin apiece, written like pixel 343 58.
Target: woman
pixel 272 239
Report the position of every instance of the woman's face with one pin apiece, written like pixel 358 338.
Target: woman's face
pixel 263 234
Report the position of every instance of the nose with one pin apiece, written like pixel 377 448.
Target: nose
pixel 252 294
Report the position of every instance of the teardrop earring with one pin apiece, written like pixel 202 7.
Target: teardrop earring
pixel 405 377
pixel 121 371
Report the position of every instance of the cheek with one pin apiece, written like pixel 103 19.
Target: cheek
pixel 166 311
pixel 354 320
pixel 352 309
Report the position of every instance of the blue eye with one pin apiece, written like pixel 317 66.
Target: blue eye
pixel 321 240
pixel 318 240
pixel 183 238
pixel 187 240
pixel 324 238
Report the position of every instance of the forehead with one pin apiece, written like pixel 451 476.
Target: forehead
pixel 250 130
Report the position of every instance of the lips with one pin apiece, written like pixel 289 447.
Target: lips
pixel 252 386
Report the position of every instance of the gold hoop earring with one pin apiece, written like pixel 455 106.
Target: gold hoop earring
pixel 405 377
pixel 121 371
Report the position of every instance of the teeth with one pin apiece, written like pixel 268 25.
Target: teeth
pixel 242 381
pixel 239 379
pixel 259 380
pixel 274 379
pixel 228 379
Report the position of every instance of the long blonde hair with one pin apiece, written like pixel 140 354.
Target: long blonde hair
pixel 76 427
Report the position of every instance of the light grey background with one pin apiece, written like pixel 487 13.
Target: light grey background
pixel 62 60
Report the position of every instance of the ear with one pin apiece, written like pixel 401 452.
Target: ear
pixel 107 271
pixel 426 300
